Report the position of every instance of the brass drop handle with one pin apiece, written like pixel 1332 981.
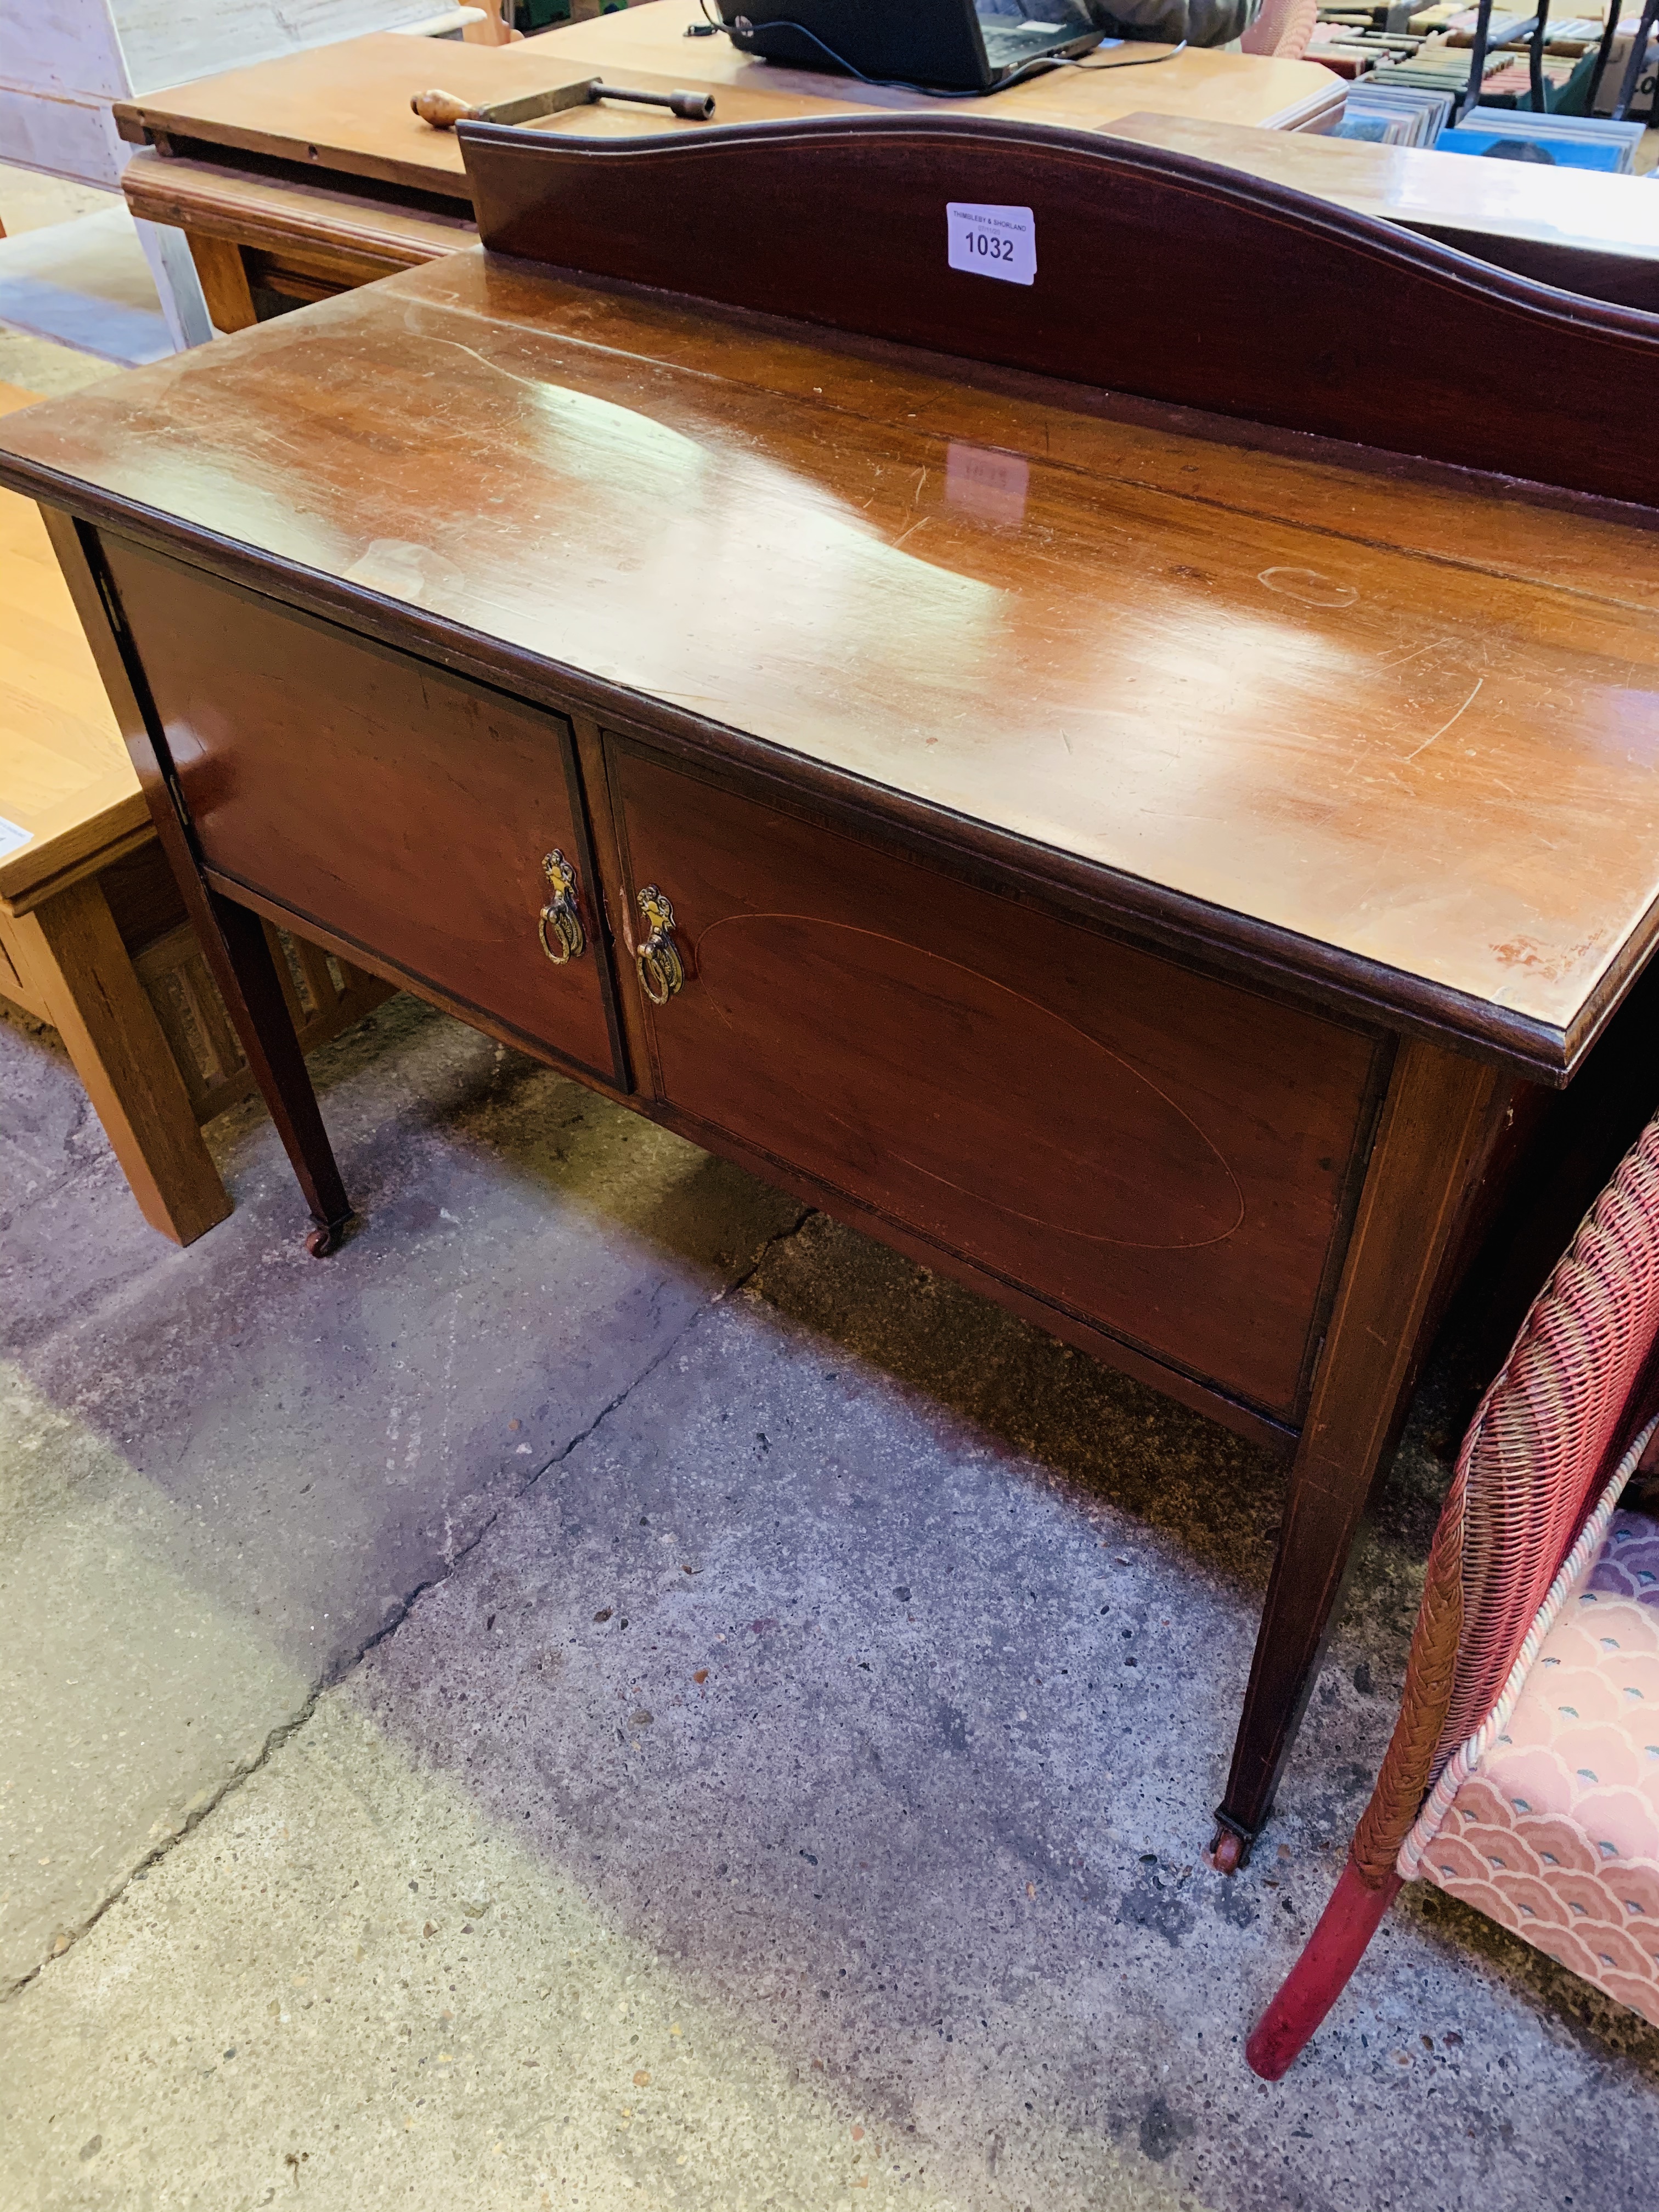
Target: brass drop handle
pixel 563 914
pixel 662 972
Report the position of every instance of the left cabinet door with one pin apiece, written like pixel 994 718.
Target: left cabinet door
pixel 434 825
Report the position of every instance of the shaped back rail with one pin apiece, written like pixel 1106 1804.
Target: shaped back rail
pixel 1157 274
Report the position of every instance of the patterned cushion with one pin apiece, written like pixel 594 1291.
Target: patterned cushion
pixel 1556 1832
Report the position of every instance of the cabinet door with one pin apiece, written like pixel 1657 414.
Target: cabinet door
pixel 1162 1154
pixel 413 815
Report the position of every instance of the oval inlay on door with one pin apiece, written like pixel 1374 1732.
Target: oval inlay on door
pixel 925 1080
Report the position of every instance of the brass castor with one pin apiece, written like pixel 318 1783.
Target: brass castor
pixel 1227 1850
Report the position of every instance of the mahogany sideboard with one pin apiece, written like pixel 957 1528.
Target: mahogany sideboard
pixel 1095 779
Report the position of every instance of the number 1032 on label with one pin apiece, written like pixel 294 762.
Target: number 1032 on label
pixel 991 241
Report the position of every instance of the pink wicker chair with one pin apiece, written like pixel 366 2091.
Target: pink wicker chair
pixel 1283 29
pixel 1524 1771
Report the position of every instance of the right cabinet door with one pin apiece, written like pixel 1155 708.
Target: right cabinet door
pixel 1164 1155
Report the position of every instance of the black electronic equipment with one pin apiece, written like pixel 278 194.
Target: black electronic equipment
pixel 937 45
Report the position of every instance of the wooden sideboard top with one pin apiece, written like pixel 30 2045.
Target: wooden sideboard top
pixel 1390 731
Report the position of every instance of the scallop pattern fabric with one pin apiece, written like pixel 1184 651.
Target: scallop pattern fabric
pixel 1556 1832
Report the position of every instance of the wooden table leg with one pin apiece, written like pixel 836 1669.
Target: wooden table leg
pixel 1439 1121
pixel 84 978
pixel 223 275
pixel 245 969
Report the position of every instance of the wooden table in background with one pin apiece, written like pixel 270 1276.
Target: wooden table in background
pixel 309 177
pixel 1228 88
pixel 306 176
pixel 1584 232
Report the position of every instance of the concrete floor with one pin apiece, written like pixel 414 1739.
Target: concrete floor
pixel 614 1693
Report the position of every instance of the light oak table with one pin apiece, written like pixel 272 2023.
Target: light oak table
pixel 307 175
pixel 93 934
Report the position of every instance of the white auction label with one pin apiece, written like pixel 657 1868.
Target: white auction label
pixel 992 241
pixel 11 836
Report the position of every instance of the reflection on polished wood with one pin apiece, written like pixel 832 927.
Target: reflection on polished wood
pixel 1142 863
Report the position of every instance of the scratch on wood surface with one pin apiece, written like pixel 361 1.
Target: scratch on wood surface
pixel 530 383
pixel 919 522
pixel 1433 645
pixel 587 345
pixel 1444 727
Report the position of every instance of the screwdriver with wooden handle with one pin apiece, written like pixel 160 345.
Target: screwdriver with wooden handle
pixel 443 110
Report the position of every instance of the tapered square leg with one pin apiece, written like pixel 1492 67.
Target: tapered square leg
pixel 246 971
pixel 1439 1121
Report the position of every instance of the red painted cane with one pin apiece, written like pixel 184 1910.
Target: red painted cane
pixel 1321 1974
